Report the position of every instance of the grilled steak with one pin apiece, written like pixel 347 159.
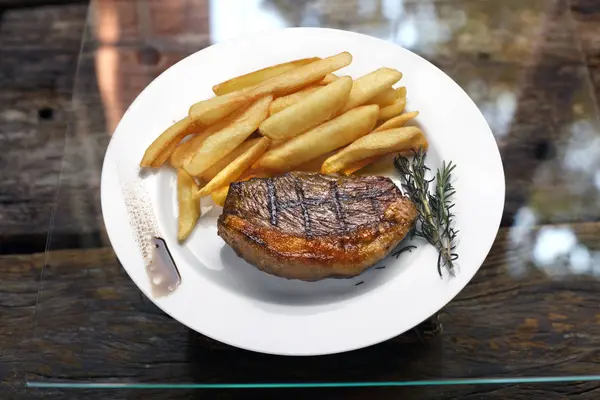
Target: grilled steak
pixel 311 226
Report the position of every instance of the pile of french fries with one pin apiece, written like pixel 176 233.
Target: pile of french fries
pixel 278 119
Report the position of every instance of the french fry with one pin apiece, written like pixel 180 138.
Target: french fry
pixel 165 154
pixel 309 112
pixel 368 86
pixel 177 156
pixel 297 78
pixel 401 92
pixel 358 165
pixel 220 195
pixel 276 143
pixel 189 207
pixel 159 151
pixel 329 78
pixel 385 98
pixel 375 144
pixel 214 169
pixel 255 77
pixel 236 168
pixel 209 111
pixel 184 152
pixel 397 121
pixel 223 142
pixel 284 102
pixel 395 109
pixel 314 165
pixel 326 137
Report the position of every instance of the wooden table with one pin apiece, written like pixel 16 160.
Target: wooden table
pixel 72 313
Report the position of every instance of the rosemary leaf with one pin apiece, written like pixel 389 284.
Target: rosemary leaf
pixel 435 222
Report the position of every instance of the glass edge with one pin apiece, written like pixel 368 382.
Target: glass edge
pixel 437 382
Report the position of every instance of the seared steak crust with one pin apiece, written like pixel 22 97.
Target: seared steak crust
pixel 311 226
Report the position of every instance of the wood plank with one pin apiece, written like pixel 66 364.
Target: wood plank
pixel 577 390
pixel 7 4
pixel 514 319
pixel 39 48
pixel 43 28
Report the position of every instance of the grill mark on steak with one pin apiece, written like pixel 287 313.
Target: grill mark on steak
pixel 319 202
pixel 375 207
pixel 272 205
pixel 301 202
pixel 303 206
pixel 338 206
pixel 296 203
pixel 281 206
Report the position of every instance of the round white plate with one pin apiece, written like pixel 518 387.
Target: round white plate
pixel 223 297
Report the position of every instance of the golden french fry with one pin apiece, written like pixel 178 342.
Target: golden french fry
pixel 160 150
pixel 397 121
pixel 236 168
pixel 314 165
pixel 184 152
pixel 255 77
pixel 209 111
pixel 368 86
pixel 212 110
pixel 385 98
pixel 220 195
pixel 223 142
pixel 401 92
pixel 277 143
pixel 214 169
pixel 358 165
pixel 375 144
pixel 284 102
pixel 165 154
pixel 328 79
pixel 309 112
pixel 177 156
pixel 189 207
pixel 326 137
pixel 297 78
pixel 393 110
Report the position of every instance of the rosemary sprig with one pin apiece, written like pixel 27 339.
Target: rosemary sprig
pixel 435 221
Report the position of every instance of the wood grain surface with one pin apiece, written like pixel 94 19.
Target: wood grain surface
pixel 73 314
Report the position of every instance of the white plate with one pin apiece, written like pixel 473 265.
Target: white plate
pixel 226 299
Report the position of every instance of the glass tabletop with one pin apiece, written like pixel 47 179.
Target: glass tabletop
pixel 529 315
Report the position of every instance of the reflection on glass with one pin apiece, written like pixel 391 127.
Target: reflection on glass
pixel 580 260
pixel 497 102
pixel 554 250
pixel 236 18
pixel 520 241
pixel 583 149
pixel 551 244
pixel 597 179
pixel 558 253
